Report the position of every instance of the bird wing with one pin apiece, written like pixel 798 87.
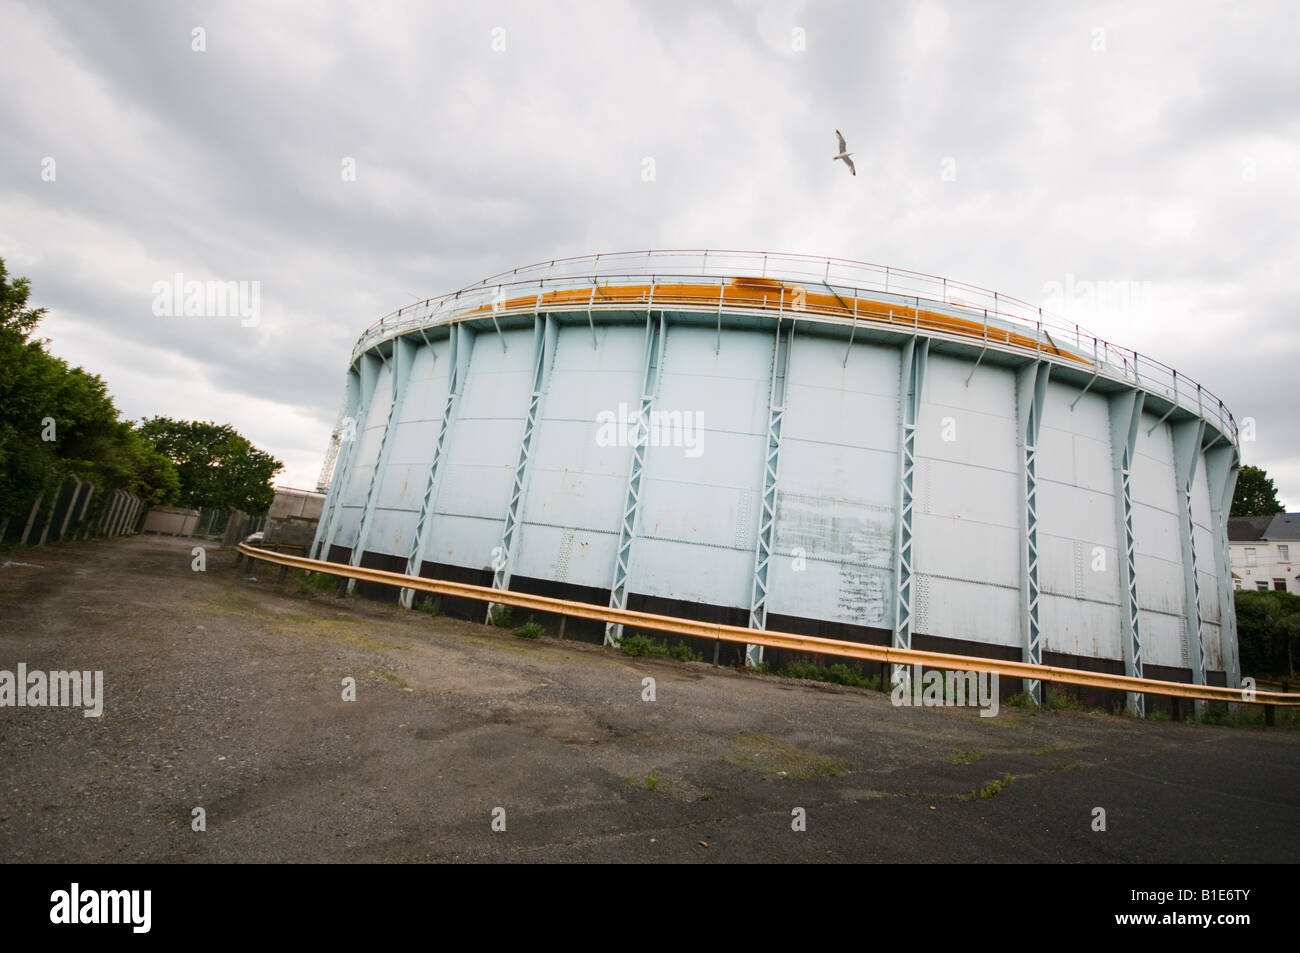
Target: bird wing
pixel 843 147
pixel 849 163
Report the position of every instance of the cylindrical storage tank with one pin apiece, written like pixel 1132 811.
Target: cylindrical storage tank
pixel 800 444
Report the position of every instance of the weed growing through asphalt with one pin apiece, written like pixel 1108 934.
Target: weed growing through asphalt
pixel 531 629
pixel 837 674
pixel 641 646
pixel 990 790
pixel 772 756
pixel 1060 701
pixel 309 582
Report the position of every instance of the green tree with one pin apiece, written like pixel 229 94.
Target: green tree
pixel 26 461
pixel 1268 632
pixel 15 316
pixel 56 420
pixel 1255 494
pixel 217 466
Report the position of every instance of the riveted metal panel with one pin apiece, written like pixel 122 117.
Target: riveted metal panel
pixel 703 512
pixel 413 441
pixel 1155 579
pixel 348 521
pixel 1081 627
pixel 970 493
pixel 839 465
pixel 426 391
pixel 1074 443
pixel 390 531
pixel 854 590
pixel 400 487
pixel 833 540
pixel 966 549
pixel 567 554
pixel 1162 635
pixel 694 494
pixel 474 491
pixel 464 541
pixel 1073 513
pixel 587 380
pixel 574 497
pixel 578 478
pixel 676 570
pixel 1155 532
pixel 1066 569
pixel 973 426
pixel 970 610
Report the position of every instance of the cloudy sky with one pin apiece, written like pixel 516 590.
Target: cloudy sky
pixel 1024 147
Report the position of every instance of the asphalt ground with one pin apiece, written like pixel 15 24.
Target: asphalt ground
pixel 225 692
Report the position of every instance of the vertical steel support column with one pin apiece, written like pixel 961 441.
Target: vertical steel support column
pixel 1188 435
pixel 1125 419
pixel 459 349
pixel 347 439
pixel 403 357
pixel 915 354
pixel 544 334
pixel 368 378
pixel 767 509
pixel 1221 466
pixel 655 333
pixel 1031 396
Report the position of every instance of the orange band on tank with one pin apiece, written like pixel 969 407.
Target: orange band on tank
pixel 771 293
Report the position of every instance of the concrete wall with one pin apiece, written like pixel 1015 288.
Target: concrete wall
pixel 296 503
pixel 170 521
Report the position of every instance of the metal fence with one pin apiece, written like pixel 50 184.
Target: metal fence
pixel 694 273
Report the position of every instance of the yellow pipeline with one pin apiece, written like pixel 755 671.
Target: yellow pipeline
pixel 776 640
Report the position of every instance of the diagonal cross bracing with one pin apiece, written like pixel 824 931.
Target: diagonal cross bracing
pixel 544 332
pixel 1188 436
pixel 915 355
pixel 365 379
pixel 767 515
pixel 654 344
pixel 400 375
pixel 1125 418
pixel 1031 396
pixel 459 343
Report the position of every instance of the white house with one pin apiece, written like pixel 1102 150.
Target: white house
pixel 1265 552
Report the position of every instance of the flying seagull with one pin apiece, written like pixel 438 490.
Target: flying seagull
pixel 844 153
